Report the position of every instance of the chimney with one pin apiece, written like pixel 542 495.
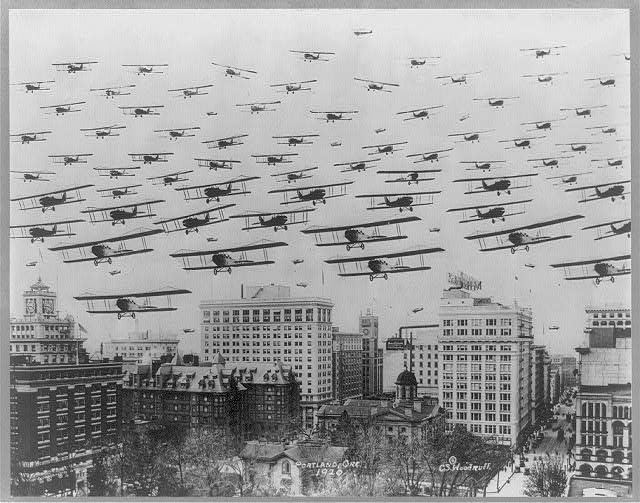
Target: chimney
pixel 417 406
pixel 408 412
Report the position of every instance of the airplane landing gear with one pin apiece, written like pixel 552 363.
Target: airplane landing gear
pixel 410 208
pixel 513 250
pixel 597 281
pixel 509 192
pixel 526 248
pixel 613 280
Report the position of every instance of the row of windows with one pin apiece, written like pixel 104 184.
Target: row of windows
pixel 612 315
pixel 611 323
pixel 476 347
pixel 266 315
pixel 477 322
pixel 476 386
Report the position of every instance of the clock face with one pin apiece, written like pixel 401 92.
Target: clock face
pixel 47 306
pixel 31 306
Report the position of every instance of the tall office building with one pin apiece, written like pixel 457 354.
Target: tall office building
pixel 372 355
pixel 346 365
pixel 425 357
pixel 485 365
pixel 266 325
pixel 41 335
pixel 538 382
pixel 603 403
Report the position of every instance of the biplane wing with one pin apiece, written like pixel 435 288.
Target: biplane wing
pixel 602 191
pixel 497 184
pixel 293 176
pixel 275 219
pixel 405 200
pixel 215 164
pixel 227 141
pixel 316 193
pixel 48 200
pixel 117 192
pixel 99 252
pixel 597 269
pixel 115 172
pixel 609 229
pixel 169 178
pixel 496 211
pixel 191 222
pixel 213 191
pixel 115 214
pixel 37 232
pixel 516 237
pixel 123 304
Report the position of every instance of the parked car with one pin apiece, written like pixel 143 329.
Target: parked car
pixel 593 492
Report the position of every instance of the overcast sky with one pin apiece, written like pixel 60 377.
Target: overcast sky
pixel 188 41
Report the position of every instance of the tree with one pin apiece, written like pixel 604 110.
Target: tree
pixel 406 465
pixel 547 478
pixel 369 449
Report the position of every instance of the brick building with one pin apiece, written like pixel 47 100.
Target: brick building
pixel 346 365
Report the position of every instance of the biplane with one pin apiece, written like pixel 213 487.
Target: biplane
pixel 212 114
pixel 214 191
pixel 37 232
pixel 297 261
pixel 336 144
pixel 146 69
pixel 74 66
pixel 294 176
pixel 549 162
pixel 141 111
pixel 497 102
pixel 604 129
pixel 274 219
pixel 112 92
pixel 609 229
pixel 115 272
pixel 170 178
pixel 604 81
pixel 124 304
pixel 49 201
pixel 378 266
pixel 380 130
pixel 120 214
pixel 100 252
pixel 522 142
pixel 596 269
pixel 150 157
pixel 569 178
pixel 26 138
pixel 583 111
pixel 612 162
pixel 293 87
pixel 175 133
pixel 419 113
pixel 385 148
pixel 63 108
pixel 34 85
pixel 494 212
pixel 294 140
pixel 216 164
pixel 541 52
pixel 259 106
pixel 190 92
pixel 68 159
pixel 234 71
pixel 359 33
pixel 498 184
pixel 33 263
pixel 102 132
pixel 376 85
pixel 355 236
pixel 115 172
pixel 431 155
pixel 611 190
pixel 228 141
pixel 542 125
pixel 118 192
pixel 357 165
pixel 311 56
pixel 193 221
pixel 626 55
pixel 407 176
pixel 483 165
pixel 221 259
pixel 415 62
pixel 403 201
pixel 273 159
pixel 517 239
pixel 302 284
pixel 457 78
pixel 335 115
pixel 545 78
pixel 578 146
pixel 316 193
pixel 471 135
pixel 33 176
pixel 416 310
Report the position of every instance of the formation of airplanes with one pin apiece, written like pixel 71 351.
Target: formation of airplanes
pixel 209 190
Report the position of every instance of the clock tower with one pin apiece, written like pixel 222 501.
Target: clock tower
pixel 39 302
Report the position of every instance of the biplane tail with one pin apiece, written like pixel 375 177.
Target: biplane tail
pixel 135 211
pixel 55 228
pixel 206 217
pixel 261 220
pixel 299 194
pixel 484 185
pixel 386 201
pixel 598 193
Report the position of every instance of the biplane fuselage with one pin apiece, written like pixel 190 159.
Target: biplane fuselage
pixel 230 72
pixel 39 233
pixel 609 130
pixel 372 86
pixel 459 80
pixel 387 149
pixel 334 117
pixel 355 237
pixel 114 173
pixel 608 82
pixel 226 143
pixel 545 78
pixel 612 192
pixel 358 166
pixel 118 193
pixel 624 228
pixel 176 134
pixel 313 195
pixel 522 143
pixel 224 261
pixel 420 114
pixel 62 110
pixel 120 215
pixel 541 53
pixel 586 112
pixel 215 165
pixel 417 62
pixel 141 111
pixel 311 56
pixel 604 269
pixel 129 306
pixel 215 192
pixel 496 103
pixel 276 221
pixel 33 87
pixel 483 166
pixel 102 251
pixel 492 213
pixel 272 159
pixel 144 69
pixel 617 162
pixel 570 179
pixel 579 148
pixel 168 180
pixel 550 162
pixel 192 223
pixel 291 177
pixel 499 185
pixel 52 201
pixel 70 159
pixel 148 159
pixel 520 238
pixel 543 125
pixel 401 202
pixel 292 88
pixel 25 138
pixel 71 68
pixel 430 157
pixel 102 133
pixel 472 137
pixel 29 177
pixel 295 141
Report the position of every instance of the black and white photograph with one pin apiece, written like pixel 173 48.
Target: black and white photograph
pixel 337 253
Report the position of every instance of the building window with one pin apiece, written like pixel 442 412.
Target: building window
pixel 286 468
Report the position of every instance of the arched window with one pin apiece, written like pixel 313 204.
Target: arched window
pixel 615 412
pixel 601 471
pixel 626 412
pixel 286 468
pixel 617 456
pixel 603 410
pixel 584 409
pixel 596 323
pixel 585 470
pixel 596 410
pixel 586 454
pixel 617 472
pixel 601 456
